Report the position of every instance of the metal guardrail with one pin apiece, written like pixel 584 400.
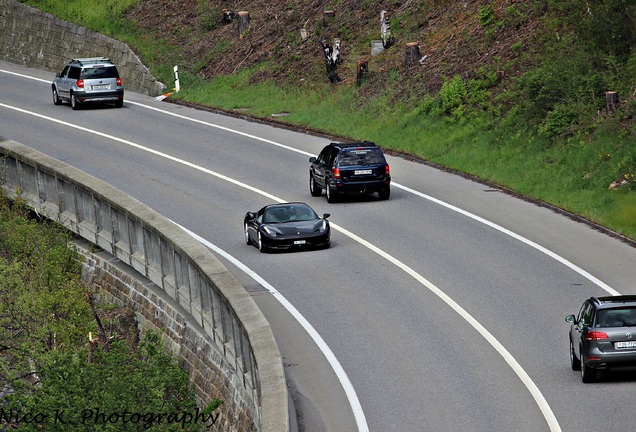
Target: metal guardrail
pixel 170 258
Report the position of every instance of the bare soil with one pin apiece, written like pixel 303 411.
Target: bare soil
pixel 466 38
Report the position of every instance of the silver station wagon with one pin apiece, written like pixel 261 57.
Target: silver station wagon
pixel 88 80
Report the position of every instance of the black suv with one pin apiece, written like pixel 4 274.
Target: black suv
pixel 86 80
pixel 350 168
pixel 603 335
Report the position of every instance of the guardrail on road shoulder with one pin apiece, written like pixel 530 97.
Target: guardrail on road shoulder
pixel 201 287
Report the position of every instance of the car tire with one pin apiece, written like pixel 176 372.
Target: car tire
pixel 75 104
pixel 56 97
pixel 588 375
pixel 331 195
pixel 384 194
pixel 261 246
pixel 248 241
pixel 119 103
pixel 575 363
pixel 314 189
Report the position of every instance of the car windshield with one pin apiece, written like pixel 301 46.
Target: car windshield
pixel 361 156
pixel 290 213
pixel 616 317
pixel 99 72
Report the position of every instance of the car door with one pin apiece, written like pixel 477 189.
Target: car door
pixel 320 166
pixel 69 80
pixel 583 322
pixel 63 83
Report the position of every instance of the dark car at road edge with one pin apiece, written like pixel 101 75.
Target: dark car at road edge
pixel 603 336
pixel 350 168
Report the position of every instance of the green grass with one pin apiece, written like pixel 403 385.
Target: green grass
pixel 463 130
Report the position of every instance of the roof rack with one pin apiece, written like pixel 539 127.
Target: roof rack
pixel 354 144
pixel 91 60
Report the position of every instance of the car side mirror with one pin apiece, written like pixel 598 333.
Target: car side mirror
pixel 570 319
pixel 58 74
pixel 326 215
pixel 251 215
pixel 312 159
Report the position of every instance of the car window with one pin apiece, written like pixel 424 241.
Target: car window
pixel 367 156
pixel 99 72
pixel 301 213
pixel 331 157
pixel 587 314
pixel 322 157
pixel 274 215
pixel 74 72
pixel 64 73
pixel 619 317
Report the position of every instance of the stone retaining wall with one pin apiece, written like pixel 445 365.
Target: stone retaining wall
pixel 174 284
pixel 39 40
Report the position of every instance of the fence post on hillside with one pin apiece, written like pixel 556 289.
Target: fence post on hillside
pixel 177 86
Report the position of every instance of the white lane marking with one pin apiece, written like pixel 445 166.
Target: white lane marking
pixel 493 225
pixel 527 381
pixel 352 396
pixel 320 342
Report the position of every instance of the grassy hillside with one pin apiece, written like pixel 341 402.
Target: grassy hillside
pixel 512 92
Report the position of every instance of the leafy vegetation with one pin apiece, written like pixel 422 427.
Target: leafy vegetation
pixel 54 375
pixel 513 94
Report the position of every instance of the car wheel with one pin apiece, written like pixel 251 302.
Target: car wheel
pixel 74 102
pixel 575 363
pixel 261 246
pixel 119 103
pixel 331 195
pixel 56 97
pixel 384 194
pixel 588 375
pixel 247 235
pixel 314 189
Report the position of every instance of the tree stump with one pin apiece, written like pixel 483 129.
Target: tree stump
pixel 243 24
pixel 332 58
pixel 385 30
pixel 363 68
pixel 327 17
pixel 228 16
pixel 611 102
pixel 411 55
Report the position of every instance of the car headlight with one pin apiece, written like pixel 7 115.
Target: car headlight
pixel 269 231
pixel 323 226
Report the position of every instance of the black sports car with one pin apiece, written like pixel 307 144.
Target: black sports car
pixel 286 226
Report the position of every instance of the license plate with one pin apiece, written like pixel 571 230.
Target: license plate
pixel 300 242
pixel 100 87
pixel 361 172
pixel 630 344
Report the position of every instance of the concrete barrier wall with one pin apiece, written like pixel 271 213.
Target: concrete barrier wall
pixel 175 284
pixel 39 40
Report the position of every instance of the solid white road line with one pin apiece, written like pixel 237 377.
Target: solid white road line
pixel 362 427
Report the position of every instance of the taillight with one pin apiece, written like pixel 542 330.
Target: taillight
pixel 118 81
pixel 80 83
pixel 336 173
pixel 596 335
pixel 387 170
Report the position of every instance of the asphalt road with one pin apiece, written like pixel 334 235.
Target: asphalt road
pixel 441 309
